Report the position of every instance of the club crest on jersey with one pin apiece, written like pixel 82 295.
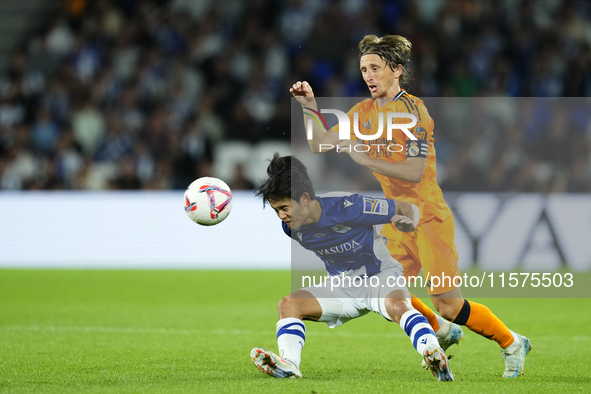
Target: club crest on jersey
pixel 339 228
pixel 413 149
pixel 375 206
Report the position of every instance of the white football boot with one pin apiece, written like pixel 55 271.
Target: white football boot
pixel 515 361
pixel 438 363
pixel 273 365
pixel 455 335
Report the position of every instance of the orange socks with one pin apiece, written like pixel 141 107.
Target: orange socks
pixel 473 315
pixel 481 320
pixel 425 311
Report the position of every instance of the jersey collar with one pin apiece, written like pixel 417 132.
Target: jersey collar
pixel 398 95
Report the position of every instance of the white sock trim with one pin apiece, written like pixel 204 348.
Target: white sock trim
pixel 405 317
pixel 290 342
pixel 515 345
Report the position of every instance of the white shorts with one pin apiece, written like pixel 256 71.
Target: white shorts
pixel 347 302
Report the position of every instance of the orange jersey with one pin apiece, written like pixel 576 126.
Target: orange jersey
pixel 426 194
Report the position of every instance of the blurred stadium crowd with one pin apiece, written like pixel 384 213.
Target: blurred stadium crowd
pixel 141 94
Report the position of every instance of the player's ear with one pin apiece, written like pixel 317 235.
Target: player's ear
pixel 305 199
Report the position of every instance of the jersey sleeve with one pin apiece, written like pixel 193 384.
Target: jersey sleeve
pixel 362 210
pixel 286 229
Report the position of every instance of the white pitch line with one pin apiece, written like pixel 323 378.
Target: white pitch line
pixel 127 330
pixel 223 331
pixel 186 331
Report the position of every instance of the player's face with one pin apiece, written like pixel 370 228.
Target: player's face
pixel 290 212
pixel 283 209
pixel 378 76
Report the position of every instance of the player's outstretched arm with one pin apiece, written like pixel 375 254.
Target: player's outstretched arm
pixel 302 91
pixel 407 216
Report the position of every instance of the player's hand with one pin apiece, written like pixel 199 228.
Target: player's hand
pixel 359 156
pixel 403 223
pixel 302 91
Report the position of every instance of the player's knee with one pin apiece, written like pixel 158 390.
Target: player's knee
pixel 288 307
pixel 397 307
pixel 284 305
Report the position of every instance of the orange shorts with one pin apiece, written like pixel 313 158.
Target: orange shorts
pixel 431 247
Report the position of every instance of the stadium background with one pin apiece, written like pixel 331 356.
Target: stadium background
pixel 148 95
pixel 142 94
pixel 108 109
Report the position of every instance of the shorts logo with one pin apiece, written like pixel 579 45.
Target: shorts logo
pixel 347 204
pixel 339 228
pixel 375 206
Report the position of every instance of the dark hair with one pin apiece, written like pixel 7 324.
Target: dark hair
pixel 288 177
pixel 394 50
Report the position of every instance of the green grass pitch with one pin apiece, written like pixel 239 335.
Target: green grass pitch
pixel 102 331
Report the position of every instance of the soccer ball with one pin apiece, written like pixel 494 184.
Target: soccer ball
pixel 208 201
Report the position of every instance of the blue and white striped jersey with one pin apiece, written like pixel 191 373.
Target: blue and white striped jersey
pixel 345 237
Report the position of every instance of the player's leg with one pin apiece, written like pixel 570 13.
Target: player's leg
pixel 403 248
pixel 439 258
pixel 291 332
pixel 291 336
pixel 440 263
pixel 412 269
pixel 475 316
pixel 480 319
pixel 424 310
pixel 399 309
